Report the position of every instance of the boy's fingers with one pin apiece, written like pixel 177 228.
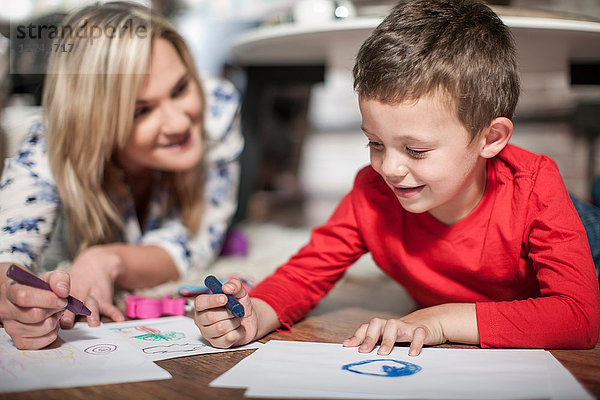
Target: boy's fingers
pixel 205 302
pixel 417 341
pixel 389 338
pixel 229 339
pixel 358 336
pixel 372 335
pixel 351 342
pixel 235 288
pixel 209 318
pixel 221 328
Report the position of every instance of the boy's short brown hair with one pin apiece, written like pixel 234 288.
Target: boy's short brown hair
pixel 459 46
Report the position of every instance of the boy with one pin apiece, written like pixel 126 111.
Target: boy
pixel 481 233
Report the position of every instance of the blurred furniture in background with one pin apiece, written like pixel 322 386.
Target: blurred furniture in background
pixel 586 122
pixel 549 44
pixel 295 76
pixel 274 122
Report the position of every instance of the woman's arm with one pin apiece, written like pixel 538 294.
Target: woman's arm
pixel 28 202
pixel 129 266
pixel 96 270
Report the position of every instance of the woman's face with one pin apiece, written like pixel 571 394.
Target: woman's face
pixel 167 130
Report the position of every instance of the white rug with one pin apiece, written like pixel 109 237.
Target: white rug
pixel 270 245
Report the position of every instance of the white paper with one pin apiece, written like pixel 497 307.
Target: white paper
pixel 168 337
pixel 82 356
pixel 303 369
pixel 115 352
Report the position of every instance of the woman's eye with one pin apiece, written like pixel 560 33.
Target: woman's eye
pixel 140 111
pixel 181 88
pixel 416 153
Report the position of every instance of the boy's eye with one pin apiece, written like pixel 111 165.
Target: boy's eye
pixel 374 145
pixel 416 153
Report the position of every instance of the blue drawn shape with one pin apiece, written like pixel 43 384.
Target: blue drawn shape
pixel 383 367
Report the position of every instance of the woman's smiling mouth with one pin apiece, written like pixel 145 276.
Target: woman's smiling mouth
pixel 181 141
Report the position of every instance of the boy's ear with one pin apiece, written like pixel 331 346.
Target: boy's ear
pixel 496 137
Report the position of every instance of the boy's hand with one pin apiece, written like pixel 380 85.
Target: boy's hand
pixel 218 325
pixel 221 328
pixel 428 326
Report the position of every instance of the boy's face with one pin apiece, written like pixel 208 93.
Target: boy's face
pixel 426 156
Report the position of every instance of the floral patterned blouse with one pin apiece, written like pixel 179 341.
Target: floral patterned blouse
pixel 32 226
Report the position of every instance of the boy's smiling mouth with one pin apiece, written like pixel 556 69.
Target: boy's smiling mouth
pixel 407 191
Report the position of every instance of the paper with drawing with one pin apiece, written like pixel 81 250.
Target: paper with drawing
pixel 82 356
pixel 112 353
pixel 169 337
pixel 325 370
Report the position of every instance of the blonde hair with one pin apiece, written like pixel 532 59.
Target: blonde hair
pixel 102 60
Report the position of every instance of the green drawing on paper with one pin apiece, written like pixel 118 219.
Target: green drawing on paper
pixel 157 336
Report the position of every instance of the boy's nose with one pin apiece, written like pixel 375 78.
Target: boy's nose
pixel 394 167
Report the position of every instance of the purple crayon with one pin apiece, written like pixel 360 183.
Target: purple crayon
pixel 27 278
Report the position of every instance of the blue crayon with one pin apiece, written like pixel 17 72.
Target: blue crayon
pixel 232 305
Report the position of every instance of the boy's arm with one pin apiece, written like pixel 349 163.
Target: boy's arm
pixel 566 314
pixel 267 320
pixel 297 286
pixel 453 322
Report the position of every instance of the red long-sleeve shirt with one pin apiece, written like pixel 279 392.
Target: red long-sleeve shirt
pixel 522 256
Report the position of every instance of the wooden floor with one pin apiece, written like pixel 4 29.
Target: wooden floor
pixel 337 316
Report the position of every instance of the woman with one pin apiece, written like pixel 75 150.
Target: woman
pixel 134 179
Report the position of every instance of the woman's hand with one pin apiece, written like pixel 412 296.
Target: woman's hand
pixel 93 274
pixel 31 315
pixel 221 328
pixel 428 326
